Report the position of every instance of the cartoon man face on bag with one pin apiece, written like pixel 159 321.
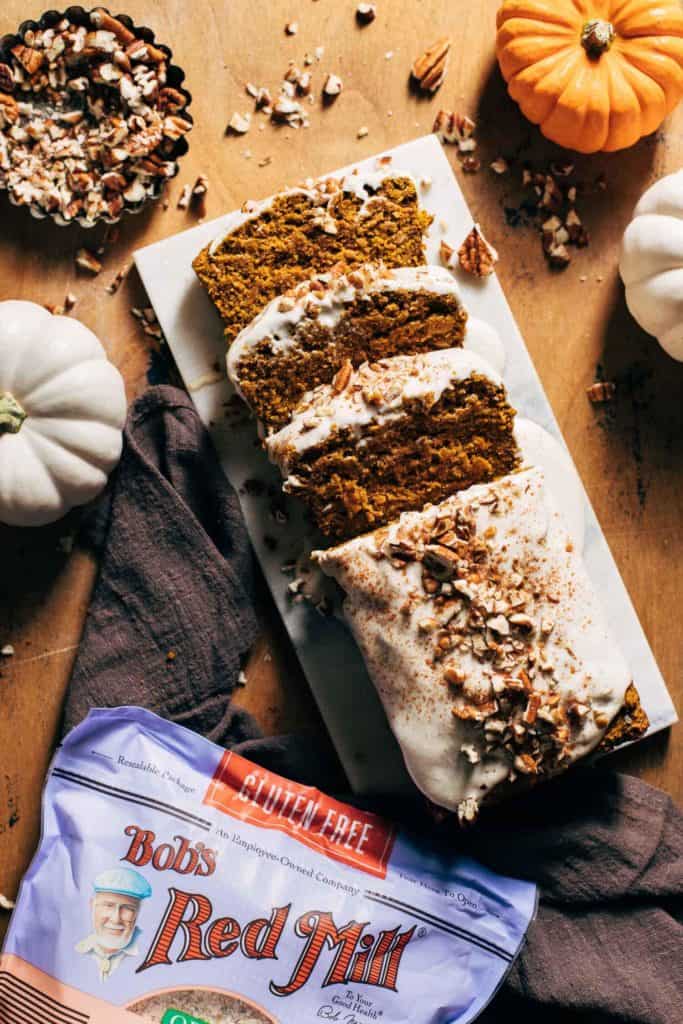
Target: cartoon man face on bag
pixel 114 908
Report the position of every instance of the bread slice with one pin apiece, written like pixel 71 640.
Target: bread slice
pixel 394 435
pixel 269 247
pixel 486 641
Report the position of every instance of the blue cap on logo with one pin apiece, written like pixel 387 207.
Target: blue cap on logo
pixel 124 882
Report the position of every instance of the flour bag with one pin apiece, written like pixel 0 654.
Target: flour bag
pixel 178 883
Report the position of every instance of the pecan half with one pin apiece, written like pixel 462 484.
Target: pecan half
pixel 476 255
pixel 454 128
pixel 429 70
pixel 174 127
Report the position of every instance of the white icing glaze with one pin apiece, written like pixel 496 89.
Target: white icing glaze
pixel 588 664
pixel 484 340
pixel 539 448
pixel 400 379
pixel 279 321
pixel 354 183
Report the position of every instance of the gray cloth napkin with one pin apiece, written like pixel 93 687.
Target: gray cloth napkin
pixel 171 616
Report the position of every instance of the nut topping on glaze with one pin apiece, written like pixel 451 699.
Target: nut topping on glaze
pixel 484 637
pixel 88 121
pixel 533 724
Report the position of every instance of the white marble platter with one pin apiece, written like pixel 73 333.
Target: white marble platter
pixel 327 653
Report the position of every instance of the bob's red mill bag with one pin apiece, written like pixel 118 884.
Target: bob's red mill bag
pixel 177 883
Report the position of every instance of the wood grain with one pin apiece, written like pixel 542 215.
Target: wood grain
pixel 630 457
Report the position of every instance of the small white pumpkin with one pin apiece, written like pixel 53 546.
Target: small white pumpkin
pixel 652 263
pixel 62 410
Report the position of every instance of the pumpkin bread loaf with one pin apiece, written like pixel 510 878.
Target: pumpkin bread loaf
pixel 302 338
pixel 486 642
pixel 394 435
pixel 271 246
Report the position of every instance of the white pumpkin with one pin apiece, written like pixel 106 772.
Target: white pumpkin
pixel 62 410
pixel 652 263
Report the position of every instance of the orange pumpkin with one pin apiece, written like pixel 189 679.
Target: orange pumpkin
pixel 594 74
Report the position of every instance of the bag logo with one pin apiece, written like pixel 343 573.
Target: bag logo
pixel 252 794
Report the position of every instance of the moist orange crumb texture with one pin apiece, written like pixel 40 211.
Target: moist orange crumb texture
pixel 381 324
pixel 427 454
pixel 630 723
pixel 289 242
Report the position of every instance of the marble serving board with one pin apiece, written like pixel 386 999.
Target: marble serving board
pixel 328 655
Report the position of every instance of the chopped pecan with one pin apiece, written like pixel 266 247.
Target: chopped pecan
pixel 447 253
pixel 525 764
pixel 97 43
pixel 31 60
pixel 6 78
pixel 9 109
pixel 475 713
pixel 468 811
pixel 172 100
pixel 86 260
pixel 558 255
pixel 441 562
pixel 239 124
pixel 365 13
pixel 471 164
pixel 135 192
pixel 532 708
pixel 342 378
pixel 114 286
pixel 143 52
pixel 185 197
pixel 454 677
pixel 575 229
pixel 200 187
pixel 102 19
pixel 333 86
pixel 601 391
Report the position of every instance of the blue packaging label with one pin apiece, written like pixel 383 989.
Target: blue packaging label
pixel 177 883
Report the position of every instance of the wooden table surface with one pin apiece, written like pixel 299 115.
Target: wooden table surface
pixel 630 456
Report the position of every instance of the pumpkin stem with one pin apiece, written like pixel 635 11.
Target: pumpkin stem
pixel 11 414
pixel 597 36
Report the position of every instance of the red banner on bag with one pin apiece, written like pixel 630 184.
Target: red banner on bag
pixel 250 793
